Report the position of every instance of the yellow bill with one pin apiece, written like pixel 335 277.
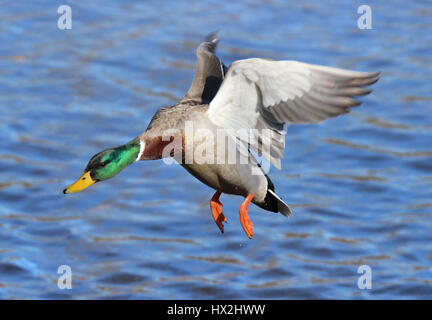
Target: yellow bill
pixel 83 182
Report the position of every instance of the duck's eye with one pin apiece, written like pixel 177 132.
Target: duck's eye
pixel 83 178
pixel 103 164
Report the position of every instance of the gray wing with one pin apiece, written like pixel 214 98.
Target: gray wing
pixel 264 94
pixel 209 73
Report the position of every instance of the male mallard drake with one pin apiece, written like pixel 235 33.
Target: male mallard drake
pixel 250 102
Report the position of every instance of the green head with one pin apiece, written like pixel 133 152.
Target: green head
pixel 106 164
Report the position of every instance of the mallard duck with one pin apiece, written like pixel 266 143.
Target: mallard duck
pixel 250 102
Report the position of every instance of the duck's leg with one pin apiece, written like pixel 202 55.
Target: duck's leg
pixel 216 209
pixel 244 216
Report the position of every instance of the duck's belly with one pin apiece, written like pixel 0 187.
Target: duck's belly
pixel 230 178
pixel 223 169
pixel 224 178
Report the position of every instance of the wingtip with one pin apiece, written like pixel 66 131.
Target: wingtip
pixel 372 77
pixel 213 37
pixel 210 43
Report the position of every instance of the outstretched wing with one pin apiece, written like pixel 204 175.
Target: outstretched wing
pixel 209 73
pixel 266 94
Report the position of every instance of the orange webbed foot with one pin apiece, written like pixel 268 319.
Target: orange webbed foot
pixel 216 210
pixel 244 216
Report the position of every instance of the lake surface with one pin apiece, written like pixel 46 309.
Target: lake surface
pixel 360 185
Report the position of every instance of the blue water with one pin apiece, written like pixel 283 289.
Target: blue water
pixel 360 184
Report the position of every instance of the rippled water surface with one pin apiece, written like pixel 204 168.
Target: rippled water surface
pixel 360 185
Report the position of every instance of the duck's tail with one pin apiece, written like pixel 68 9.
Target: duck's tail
pixel 272 202
pixel 279 205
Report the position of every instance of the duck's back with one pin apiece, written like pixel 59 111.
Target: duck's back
pixel 173 117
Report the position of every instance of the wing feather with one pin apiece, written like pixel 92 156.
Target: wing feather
pixel 266 94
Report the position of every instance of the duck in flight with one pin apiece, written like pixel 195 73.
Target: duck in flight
pixel 252 95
